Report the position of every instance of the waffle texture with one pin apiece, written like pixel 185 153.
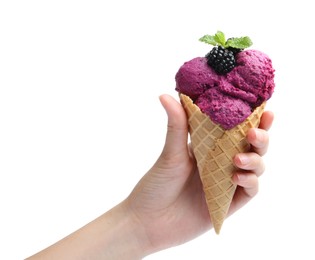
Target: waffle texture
pixel 214 149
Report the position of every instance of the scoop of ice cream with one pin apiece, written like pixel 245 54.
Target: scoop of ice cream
pixel 195 77
pixel 223 109
pixel 228 99
pixel 254 75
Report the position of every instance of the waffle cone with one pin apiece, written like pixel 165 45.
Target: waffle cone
pixel 214 149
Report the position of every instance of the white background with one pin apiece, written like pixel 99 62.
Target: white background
pixel 80 119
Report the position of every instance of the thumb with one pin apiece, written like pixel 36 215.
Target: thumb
pixel 177 129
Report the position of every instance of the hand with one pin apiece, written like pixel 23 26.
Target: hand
pixel 169 202
pixel 167 207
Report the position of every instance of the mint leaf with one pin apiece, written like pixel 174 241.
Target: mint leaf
pixel 209 39
pixel 239 43
pixel 219 37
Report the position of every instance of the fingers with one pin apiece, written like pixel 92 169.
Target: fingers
pixel 248 182
pixel 258 137
pixel 250 162
pixel 266 120
pixel 251 167
pixel 259 140
pixel 177 130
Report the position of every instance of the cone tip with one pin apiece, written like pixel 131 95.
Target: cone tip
pixel 217 228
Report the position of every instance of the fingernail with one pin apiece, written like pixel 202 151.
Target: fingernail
pixel 241 177
pixel 243 159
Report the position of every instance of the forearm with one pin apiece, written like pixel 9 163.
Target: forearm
pixel 114 235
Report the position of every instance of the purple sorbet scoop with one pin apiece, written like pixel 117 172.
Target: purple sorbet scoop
pixel 228 99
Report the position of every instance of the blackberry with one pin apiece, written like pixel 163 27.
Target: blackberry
pixel 234 50
pixel 221 60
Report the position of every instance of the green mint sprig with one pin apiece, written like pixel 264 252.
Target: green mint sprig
pixel 219 39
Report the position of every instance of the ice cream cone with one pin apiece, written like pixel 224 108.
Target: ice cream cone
pixel 214 149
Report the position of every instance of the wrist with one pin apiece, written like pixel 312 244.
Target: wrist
pixel 124 236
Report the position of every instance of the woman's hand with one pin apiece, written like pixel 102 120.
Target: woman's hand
pixel 167 207
pixel 169 200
